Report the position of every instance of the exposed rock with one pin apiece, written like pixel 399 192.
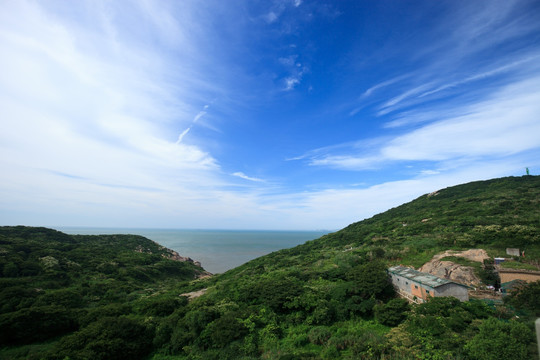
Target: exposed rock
pixel 455 272
pixel 173 255
pixel 451 271
pixel 142 250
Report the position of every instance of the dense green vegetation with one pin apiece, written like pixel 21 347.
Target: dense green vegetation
pixel 53 284
pixel 96 297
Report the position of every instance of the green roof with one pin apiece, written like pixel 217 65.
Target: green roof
pixel 420 277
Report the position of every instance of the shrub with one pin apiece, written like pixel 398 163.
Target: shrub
pixel 500 340
pixel 319 335
pixel 108 338
pixel 35 324
pixel 393 312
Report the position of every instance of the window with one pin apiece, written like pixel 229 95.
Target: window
pixel 406 283
pixel 416 286
pixel 427 292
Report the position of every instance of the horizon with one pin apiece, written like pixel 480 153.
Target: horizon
pixel 183 229
pixel 285 115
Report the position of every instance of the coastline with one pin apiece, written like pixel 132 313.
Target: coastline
pixel 216 250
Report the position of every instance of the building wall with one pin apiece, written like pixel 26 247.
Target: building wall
pixel 421 291
pixel 410 288
pixel 457 291
pixel 416 290
pixel 507 276
pixel 513 251
pixel 401 283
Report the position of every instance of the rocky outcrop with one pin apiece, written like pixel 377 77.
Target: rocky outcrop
pixel 173 255
pixel 456 272
pixel 451 271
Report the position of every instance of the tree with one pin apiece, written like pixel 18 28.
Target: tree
pixel 500 340
pixel 489 274
pixel 108 338
pixel 371 280
pixel 527 297
pixel 35 324
pixel 221 332
pixel 393 312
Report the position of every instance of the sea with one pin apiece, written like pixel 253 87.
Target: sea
pixel 217 250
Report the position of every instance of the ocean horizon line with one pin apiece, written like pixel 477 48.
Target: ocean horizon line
pixel 58 227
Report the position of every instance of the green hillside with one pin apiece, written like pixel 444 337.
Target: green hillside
pixel 495 214
pixel 53 284
pixel 327 299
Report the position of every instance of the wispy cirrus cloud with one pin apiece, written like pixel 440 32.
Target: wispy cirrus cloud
pixel 391 104
pixel 448 59
pixel 197 117
pixel 383 84
pixel 504 124
pixel 486 74
pixel 241 175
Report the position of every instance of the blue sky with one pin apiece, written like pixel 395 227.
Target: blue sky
pixel 233 114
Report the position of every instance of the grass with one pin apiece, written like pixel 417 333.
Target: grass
pixel 477 266
pixel 518 266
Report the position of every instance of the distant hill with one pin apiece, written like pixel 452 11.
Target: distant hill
pixel 101 297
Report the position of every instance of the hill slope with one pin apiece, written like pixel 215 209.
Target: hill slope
pixel 332 284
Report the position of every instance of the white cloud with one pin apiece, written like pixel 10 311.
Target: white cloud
pixel 271 17
pixel 289 60
pixel 483 75
pixel 198 116
pixel 445 63
pixel 245 177
pixel 390 105
pixel 383 84
pixel 500 126
pixel 182 134
pixel 77 102
pixel 291 82
pixel 504 124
